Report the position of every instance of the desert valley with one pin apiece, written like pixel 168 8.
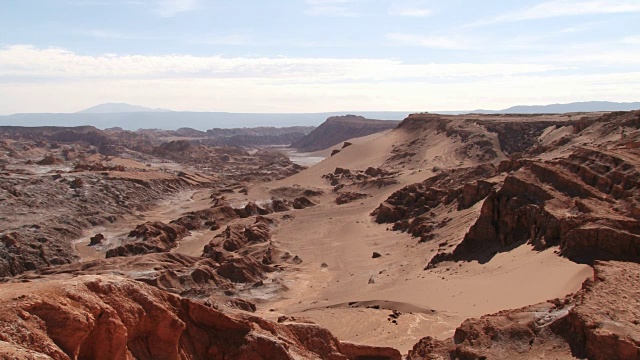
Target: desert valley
pixel 474 236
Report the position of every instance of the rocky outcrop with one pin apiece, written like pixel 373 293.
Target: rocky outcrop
pixel 359 179
pixel 109 317
pixel 291 192
pixel 599 322
pixel 585 204
pixel 49 212
pixel 97 239
pixel 340 128
pixel 347 197
pixel 411 208
pixel 515 334
pixel 188 276
pixel 236 237
pixel 302 203
pixel 150 237
pixel 605 322
pixel 473 142
pixel 245 253
pixel 49 160
pixel 518 137
pixel 213 218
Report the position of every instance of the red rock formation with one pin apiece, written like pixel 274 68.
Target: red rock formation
pixel 599 322
pixel 211 218
pixel 372 177
pixel 150 237
pixel 108 317
pixel 49 160
pixel 586 204
pixel 348 197
pixel 605 322
pixel 410 208
pixel 244 252
pixel 302 203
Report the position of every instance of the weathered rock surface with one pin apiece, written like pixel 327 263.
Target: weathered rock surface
pixel 585 204
pixel 150 237
pixel 357 179
pixel 245 253
pixel 411 208
pixel 580 197
pixel 109 317
pixel 599 322
pixel 96 239
pixel 99 177
pixel 44 214
pixel 302 203
pixel 188 276
pixel 347 197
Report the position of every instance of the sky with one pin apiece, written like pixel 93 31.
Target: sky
pixel 316 55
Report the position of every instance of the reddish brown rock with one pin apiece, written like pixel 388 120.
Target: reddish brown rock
pixel 411 208
pixel 302 203
pixel 599 322
pixel 605 322
pixel 150 237
pixel 96 239
pixel 179 274
pixel 561 204
pixel 108 317
pixel 211 218
pixel 49 160
pixel 279 205
pixel 347 197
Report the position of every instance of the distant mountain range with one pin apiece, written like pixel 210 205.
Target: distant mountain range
pixel 586 106
pixel 132 117
pixel 111 108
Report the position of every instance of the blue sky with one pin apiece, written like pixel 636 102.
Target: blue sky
pixel 316 55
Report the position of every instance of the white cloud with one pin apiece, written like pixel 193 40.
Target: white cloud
pixel 338 11
pixel 409 8
pixel 53 63
pixel 411 12
pixel 560 8
pixel 589 56
pixel 436 42
pixel 631 40
pixel 34 79
pixel 111 34
pixel 337 8
pixel 232 39
pixel 169 8
pixel 251 95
